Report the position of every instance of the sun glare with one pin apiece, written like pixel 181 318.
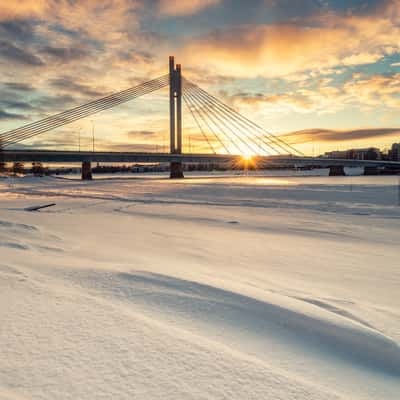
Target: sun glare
pixel 247 157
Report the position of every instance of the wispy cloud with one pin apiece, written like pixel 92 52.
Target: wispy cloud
pixel 14 54
pixel 329 135
pixel 184 7
pixel 134 134
pixel 73 86
pixel 19 86
pixel 322 96
pixel 4 115
pixel 23 9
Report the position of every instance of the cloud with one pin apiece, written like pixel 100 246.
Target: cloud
pixel 105 20
pixel 140 147
pixel 15 105
pixel 329 135
pixel 375 90
pixel 184 7
pixel 95 42
pixel 68 138
pixel 15 54
pixel 297 101
pixel 65 54
pixel 19 86
pixel 68 84
pixel 62 139
pixel 141 133
pixel 10 10
pixel 19 31
pixel 315 43
pixel 323 96
pixel 54 102
pixel 319 99
pixel 5 115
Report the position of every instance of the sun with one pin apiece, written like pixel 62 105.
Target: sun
pixel 247 161
pixel 247 157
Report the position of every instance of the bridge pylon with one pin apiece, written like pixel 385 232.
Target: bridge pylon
pixel 175 116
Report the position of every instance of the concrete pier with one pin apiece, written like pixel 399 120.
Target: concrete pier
pixel 336 170
pixel 176 170
pixel 175 104
pixel 86 171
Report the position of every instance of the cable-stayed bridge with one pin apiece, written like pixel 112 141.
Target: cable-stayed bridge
pixel 230 136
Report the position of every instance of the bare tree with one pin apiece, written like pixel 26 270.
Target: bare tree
pixel 38 169
pixel 18 168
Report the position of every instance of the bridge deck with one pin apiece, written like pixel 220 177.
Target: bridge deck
pixel 132 157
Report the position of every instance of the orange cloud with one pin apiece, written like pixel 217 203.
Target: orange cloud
pixel 101 18
pixel 282 49
pixel 296 101
pixel 110 60
pixel 23 9
pixel 375 90
pixel 184 7
pixel 366 91
pixel 330 135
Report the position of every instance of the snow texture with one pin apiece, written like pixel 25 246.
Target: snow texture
pixel 214 287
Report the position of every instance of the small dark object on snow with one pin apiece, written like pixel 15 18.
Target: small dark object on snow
pixel 36 208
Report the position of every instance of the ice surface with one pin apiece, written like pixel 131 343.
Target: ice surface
pixel 207 288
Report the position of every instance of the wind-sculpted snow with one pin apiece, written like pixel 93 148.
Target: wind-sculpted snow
pixel 64 344
pixel 261 322
pixel 21 236
pixel 236 288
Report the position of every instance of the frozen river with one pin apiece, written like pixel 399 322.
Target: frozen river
pixel 213 287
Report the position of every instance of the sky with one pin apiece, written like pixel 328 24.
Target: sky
pixel 324 74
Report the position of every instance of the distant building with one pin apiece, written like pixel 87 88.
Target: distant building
pixel 336 154
pixel 371 153
pixel 394 152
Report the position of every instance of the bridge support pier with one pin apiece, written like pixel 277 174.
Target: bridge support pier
pixel 176 170
pixel 175 109
pixel 371 171
pixel 336 170
pixel 86 171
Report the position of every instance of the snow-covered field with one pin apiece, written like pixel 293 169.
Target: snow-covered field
pixel 207 288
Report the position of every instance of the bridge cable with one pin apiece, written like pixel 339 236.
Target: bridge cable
pixel 66 117
pixel 212 119
pixel 192 111
pixel 232 117
pixel 272 139
pixel 275 139
pixel 241 127
pixel 237 126
pixel 68 114
pixel 79 112
pixel 44 126
pixel 204 119
pixel 225 122
pixel 93 104
pixel 198 111
pixel 204 116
